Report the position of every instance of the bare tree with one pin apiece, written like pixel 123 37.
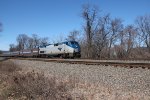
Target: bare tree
pixel 12 47
pixel 44 41
pixel 127 39
pixel 131 34
pixel 30 43
pixel 89 15
pixel 143 23
pixel 120 48
pixel 22 41
pixel 101 36
pixel 116 27
pixel 35 40
pixel 73 35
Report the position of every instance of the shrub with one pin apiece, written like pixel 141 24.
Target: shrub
pixel 8 67
pixel 33 85
pixel 30 85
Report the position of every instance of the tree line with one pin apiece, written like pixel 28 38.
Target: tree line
pixel 26 42
pixel 102 37
pixel 108 38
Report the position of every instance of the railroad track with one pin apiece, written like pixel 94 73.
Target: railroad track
pixel 115 63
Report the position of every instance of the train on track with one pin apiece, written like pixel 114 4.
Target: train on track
pixel 68 49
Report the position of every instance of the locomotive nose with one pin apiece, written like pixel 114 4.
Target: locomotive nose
pixel 77 50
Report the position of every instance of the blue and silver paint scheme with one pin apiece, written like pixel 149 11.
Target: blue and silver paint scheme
pixel 72 48
pixel 65 49
pixel 68 48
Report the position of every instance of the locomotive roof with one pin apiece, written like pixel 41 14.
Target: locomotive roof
pixel 56 43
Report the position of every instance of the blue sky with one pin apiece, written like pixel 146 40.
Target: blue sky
pixel 56 18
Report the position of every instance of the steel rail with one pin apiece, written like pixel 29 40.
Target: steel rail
pixel 115 63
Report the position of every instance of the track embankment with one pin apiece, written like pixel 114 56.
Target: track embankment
pixel 111 83
pixel 3 58
pixel 121 63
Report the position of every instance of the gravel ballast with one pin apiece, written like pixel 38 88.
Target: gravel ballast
pixel 135 80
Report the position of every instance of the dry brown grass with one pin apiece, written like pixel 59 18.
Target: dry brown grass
pixel 16 84
pixel 8 67
pixel 33 85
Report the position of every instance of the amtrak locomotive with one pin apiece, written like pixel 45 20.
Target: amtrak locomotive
pixel 68 49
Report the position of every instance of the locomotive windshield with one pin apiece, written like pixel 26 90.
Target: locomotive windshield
pixel 73 44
